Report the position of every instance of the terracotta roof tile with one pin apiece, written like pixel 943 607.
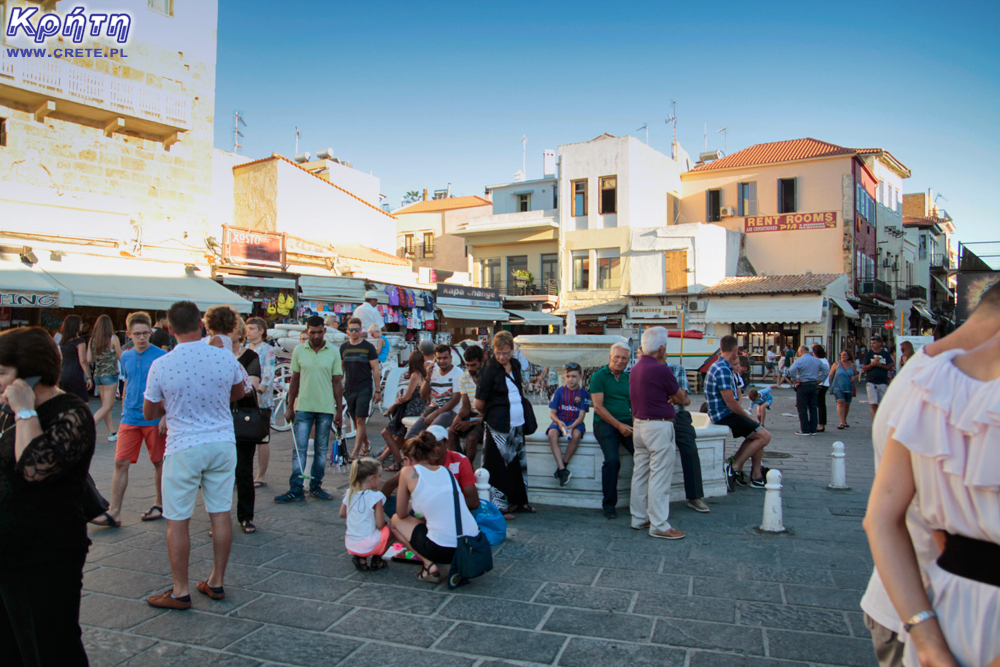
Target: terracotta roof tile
pixel 448 204
pixel 809 282
pixel 777 151
pixel 363 253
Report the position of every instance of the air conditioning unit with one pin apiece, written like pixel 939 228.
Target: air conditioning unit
pixel 695 306
pixel 727 211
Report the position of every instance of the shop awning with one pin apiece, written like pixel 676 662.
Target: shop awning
pixel 255 281
pixel 334 289
pixel 23 286
pixel 607 307
pixel 111 282
pixel 926 314
pixel 474 313
pixel 944 286
pixel 765 310
pixel 845 306
pixel 534 318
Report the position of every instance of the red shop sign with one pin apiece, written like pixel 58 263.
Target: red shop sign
pixel 244 246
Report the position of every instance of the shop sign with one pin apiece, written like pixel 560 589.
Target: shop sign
pixel 244 246
pixel 791 222
pixel 28 300
pixel 460 295
pixel 653 312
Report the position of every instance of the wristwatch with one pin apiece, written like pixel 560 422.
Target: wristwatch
pixel 919 618
pixel 25 414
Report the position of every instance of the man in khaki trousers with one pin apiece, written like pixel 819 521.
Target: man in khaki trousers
pixel 654 390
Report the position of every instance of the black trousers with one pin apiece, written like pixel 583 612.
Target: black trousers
pixel 687 447
pixel 40 615
pixel 244 481
pixel 807 394
pixel 821 404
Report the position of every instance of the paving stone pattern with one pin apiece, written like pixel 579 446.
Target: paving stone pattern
pixel 569 587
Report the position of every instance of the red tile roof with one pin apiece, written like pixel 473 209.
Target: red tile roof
pixel 363 253
pixel 448 204
pixel 809 282
pixel 901 168
pixel 777 151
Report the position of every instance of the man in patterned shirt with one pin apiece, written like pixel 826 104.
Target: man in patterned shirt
pixel 724 408
pixel 687 446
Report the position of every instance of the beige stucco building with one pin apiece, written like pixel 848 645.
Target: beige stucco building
pixel 425 231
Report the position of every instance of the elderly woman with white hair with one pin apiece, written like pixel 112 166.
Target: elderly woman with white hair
pixel 609 394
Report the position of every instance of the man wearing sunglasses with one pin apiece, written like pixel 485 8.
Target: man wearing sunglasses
pixel 361 369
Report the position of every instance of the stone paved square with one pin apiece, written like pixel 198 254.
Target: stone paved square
pixel 569 587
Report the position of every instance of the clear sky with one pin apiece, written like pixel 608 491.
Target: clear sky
pixel 426 94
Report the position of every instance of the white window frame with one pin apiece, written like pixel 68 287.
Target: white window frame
pixel 608 253
pixel 151 5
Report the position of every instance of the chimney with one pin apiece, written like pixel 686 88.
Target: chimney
pixel 425 194
pixel 548 162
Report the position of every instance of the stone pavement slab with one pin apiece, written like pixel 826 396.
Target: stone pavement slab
pixel 569 587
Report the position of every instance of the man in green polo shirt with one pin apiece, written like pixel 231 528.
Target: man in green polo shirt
pixel 612 420
pixel 315 397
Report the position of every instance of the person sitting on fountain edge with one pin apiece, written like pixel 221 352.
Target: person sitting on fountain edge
pixel 568 407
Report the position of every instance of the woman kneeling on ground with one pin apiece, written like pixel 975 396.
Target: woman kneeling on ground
pixel 429 490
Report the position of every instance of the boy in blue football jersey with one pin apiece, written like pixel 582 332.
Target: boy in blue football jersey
pixel 568 407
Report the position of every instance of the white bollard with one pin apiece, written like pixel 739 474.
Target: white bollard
pixel 483 484
pixel 838 468
pixel 772 504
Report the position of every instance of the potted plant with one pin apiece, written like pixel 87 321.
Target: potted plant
pixel 522 278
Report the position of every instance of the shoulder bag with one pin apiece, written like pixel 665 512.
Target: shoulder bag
pixel 252 424
pixel 473 555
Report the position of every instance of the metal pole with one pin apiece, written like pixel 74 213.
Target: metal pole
pixel 681 362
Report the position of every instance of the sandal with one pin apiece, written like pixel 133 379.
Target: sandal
pixel 360 564
pixel 148 516
pixel 248 527
pixel 840 427
pixel 429 577
pixel 109 522
pixel 258 483
pixel 377 563
pixel 395 467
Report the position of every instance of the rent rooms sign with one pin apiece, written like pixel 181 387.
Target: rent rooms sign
pixel 790 222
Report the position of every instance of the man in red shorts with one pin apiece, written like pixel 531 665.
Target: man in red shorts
pixel 134 429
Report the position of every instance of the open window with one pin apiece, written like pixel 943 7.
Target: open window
pixel 609 195
pixel 713 205
pixel 491 272
pixel 580 197
pixel 786 195
pixel 581 269
pixel 747 196
pixel 523 203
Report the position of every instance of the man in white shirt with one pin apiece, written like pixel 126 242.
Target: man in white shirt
pixel 442 389
pixel 368 312
pixel 881 618
pixel 193 387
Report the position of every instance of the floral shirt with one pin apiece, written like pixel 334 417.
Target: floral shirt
pixel 268 357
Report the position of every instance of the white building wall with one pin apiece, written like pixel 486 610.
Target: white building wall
pixel 712 255
pixel 505 198
pixel 222 200
pixel 356 182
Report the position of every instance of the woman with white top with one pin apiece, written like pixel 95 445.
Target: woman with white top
pixel 943 458
pixel 429 490
pixel 220 321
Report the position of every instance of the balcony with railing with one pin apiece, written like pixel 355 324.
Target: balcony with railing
pixel 522 288
pixel 511 222
pixel 52 85
pixel 940 261
pixel 416 251
pixel 911 292
pixel 874 288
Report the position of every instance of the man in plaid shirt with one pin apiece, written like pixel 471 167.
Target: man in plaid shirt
pixel 687 446
pixel 724 409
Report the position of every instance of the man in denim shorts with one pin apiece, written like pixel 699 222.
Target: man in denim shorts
pixel 194 386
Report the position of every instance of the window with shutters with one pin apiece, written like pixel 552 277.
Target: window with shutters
pixel 747 193
pixel 580 197
pixel 677 278
pixel 786 195
pixel 609 194
pixel 523 203
pixel 713 205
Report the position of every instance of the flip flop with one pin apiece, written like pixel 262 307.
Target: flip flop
pixel 248 527
pixel 147 517
pixel 259 483
pixel 110 523
pixel 524 509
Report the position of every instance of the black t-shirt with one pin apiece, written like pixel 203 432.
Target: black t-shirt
pixel 357 365
pixel 877 375
pixel 160 338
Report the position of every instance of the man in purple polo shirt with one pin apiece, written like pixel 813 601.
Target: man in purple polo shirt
pixel 654 390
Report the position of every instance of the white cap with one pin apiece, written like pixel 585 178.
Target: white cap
pixel 371 294
pixel 439 432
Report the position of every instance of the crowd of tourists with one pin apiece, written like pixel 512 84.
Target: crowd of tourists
pixel 932 519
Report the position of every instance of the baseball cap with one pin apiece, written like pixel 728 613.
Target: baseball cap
pixel 439 432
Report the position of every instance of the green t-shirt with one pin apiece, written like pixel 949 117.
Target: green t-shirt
pixel 615 390
pixel 316 371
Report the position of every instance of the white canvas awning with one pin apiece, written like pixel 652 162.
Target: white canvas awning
pixel 593 307
pixel 474 313
pixel 944 286
pixel 926 314
pixel 112 282
pixel 332 288
pixel 255 281
pixel 534 318
pixel 23 286
pixel 765 309
pixel 845 306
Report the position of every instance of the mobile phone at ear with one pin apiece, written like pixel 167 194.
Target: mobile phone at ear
pixel 32 381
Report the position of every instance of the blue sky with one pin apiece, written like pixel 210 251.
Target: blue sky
pixel 426 94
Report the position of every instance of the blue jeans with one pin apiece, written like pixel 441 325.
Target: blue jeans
pixel 303 424
pixel 610 440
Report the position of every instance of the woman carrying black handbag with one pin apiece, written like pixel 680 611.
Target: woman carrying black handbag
pixel 249 421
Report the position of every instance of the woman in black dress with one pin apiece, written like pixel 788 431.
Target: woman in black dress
pixel 74 377
pixel 45 451
pixel 245 495
pixel 508 417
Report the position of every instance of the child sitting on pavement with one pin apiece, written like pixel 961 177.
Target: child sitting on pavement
pixel 762 398
pixel 367 533
pixel 568 407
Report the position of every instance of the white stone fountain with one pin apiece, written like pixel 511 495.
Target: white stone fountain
pixel 584 489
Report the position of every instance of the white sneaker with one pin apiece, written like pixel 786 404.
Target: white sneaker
pixel 113 437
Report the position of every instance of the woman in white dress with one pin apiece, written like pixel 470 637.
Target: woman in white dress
pixel 943 455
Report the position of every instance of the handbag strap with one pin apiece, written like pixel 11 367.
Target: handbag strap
pixel 458 512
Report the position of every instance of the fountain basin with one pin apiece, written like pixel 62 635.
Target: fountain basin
pixel 557 351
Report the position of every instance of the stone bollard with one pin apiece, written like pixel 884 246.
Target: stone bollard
pixel 838 468
pixel 483 484
pixel 772 504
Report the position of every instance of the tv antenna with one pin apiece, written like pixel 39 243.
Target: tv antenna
pixel 237 121
pixel 645 126
pixel 524 155
pixel 672 120
pixel 706 137
pixel 296 140
pixel 725 134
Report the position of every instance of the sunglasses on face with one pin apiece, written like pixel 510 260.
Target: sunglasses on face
pixel 354 330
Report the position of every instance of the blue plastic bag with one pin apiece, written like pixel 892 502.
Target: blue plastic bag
pixel 491 522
